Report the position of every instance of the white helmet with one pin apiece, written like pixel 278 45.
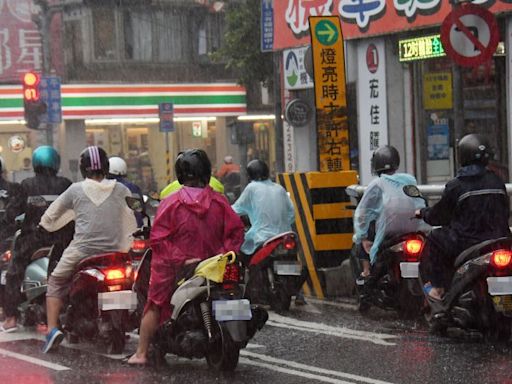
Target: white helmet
pixel 117 166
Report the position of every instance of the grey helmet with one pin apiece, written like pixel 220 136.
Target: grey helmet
pixel 385 159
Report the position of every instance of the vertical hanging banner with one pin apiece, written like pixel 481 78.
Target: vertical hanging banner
pixel 330 93
pixel 371 103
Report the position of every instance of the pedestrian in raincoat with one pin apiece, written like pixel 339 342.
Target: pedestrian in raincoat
pixel 192 224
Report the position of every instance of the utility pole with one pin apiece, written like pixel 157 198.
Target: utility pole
pixel 43 21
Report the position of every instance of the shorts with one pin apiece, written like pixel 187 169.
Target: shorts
pixel 58 287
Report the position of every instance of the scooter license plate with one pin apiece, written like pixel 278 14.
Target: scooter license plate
pixel 409 270
pixel 3 278
pixel 287 268
pixel 498 286
pixel 228 310
pixel 108 301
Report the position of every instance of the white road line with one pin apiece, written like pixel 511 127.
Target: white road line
pixel 33 360
pixel 310 368
pixel 286 322
pixel 294 372
pixel 338 304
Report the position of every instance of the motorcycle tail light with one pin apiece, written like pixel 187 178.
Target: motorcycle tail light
pixel 114 274
pixel 501 258
pixel 412 249
pixel 289 243
pixel 140 244
pixel 6 256
pixel 231 276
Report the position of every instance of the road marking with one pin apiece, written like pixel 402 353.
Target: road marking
pixel 294 372
pixel 290 323
pixel 347 305
pixel 33 360
pixel 305 367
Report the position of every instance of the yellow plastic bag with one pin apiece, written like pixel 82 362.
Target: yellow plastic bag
pixel 213 268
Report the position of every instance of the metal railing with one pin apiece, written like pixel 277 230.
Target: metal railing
pixel 427 190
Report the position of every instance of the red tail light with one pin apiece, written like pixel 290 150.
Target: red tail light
pixel 140 245
pixel 412 249
pixel 501 258
pixel 114 274
pixel 289 243
pixel 231 276
pixel 6 256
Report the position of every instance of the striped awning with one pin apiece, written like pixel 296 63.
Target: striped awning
pixel 89 101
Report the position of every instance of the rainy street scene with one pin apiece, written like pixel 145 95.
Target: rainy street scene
pixel 256 191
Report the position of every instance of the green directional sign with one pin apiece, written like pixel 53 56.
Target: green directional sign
pixel 326 32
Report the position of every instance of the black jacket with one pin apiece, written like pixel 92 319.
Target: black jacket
pixel 40 185
pixel 474 207
pixel 12 201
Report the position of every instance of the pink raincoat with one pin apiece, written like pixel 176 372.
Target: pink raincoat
pixel 191 223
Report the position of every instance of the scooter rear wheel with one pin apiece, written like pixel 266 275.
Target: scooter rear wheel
pixel 224 353
pixel 115 342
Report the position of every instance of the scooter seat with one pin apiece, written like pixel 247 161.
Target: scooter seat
pixel 104 259
pixel 41 252
pixel 476 250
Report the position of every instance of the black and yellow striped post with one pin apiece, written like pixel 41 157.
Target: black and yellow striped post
pixel 322 220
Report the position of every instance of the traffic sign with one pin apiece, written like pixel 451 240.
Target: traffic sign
pixel 166 114
pixel 470 35
pixel 267 26
pixel 326 32
pixel 50 89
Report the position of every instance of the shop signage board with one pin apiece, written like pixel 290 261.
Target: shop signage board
pixel 420 48
pixel 289 147
pixel 295 72
pixel 267 25
pixel 330 94
pixel 437 91
pixel 166 115
pixel 363 18
pixel 438 143
pixel 470 35
pixel 371 103
pixel 297 112
pixel 50 93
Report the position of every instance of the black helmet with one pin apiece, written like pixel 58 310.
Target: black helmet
pixel 93 162
pixel 193 164
pixel 474 149
pixel 257 170
pixel 385 159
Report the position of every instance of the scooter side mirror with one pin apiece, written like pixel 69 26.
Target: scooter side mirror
pixel 135 204
pixel 412 191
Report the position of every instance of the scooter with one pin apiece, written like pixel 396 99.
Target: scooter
pixel 275 273
pixel 393 283
pixel 211 318
pixel 478 303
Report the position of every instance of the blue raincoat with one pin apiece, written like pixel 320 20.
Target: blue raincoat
pixel 385 202
pixel 269 209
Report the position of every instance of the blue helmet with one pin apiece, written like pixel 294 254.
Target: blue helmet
pixel 45 157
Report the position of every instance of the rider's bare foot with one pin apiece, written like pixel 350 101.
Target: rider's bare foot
pixel 137 360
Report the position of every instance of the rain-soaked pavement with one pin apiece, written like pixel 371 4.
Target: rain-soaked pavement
pixel 319 342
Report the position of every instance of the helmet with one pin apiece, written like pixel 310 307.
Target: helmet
pixel 257 170
pixel 228 159
pixel 193 164
pixel 45 157
pixel 385 159
pixel 117 166
pixel 474 149
pixel 93 162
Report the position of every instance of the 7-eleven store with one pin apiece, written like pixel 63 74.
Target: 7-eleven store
pixel 123 119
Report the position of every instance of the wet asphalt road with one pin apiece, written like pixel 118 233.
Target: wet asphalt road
pixel 317 343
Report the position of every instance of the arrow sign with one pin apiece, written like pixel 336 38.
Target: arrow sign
pixel 326 32
pixel 470 35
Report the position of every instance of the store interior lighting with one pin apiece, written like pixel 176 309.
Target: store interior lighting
pixel 147 120
pixel 257 117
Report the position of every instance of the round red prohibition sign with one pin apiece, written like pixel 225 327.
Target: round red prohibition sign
pixel 470 35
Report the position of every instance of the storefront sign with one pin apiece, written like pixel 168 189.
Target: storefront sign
pixel 437 91
pixel 372 102
pixel 267 25
pixel 420 48
pixel 438 144
pixel 295 72
pixel 86 101
pixel 362 18
pixel 297 113
pixel 197 129
pixel 330 94
pixel 289 147
pixel 470 35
